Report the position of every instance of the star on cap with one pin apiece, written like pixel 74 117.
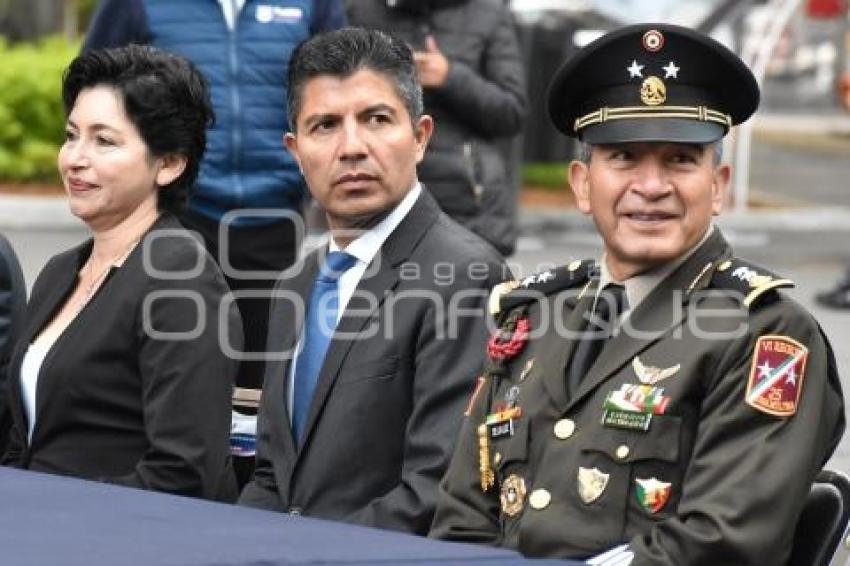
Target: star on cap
pixel 635 70
pixel 671 71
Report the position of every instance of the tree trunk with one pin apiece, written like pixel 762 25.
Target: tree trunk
pixel 22 20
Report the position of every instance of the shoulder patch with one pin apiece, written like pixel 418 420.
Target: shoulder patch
pixel 748 279
pixel 511 294
pixel 776 375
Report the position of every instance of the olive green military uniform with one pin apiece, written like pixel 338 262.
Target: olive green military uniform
pixel 694 437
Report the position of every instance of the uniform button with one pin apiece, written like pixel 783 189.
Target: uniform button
pixel 497 458
pixel 565 428
pixel 622 452
pixel 295 510
pixel 539 499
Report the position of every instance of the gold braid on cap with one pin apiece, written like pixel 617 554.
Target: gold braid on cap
pixel 700 113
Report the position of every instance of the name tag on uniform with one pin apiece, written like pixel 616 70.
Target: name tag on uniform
pixel 501 430
pixel 626 419
pixel 501 424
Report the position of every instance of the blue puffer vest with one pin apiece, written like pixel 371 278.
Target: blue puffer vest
pixel 245 164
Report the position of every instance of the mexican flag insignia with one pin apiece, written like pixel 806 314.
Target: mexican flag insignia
pixel 776 375
pixel 653 494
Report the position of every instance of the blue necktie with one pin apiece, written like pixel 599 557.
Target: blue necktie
pixel 319 326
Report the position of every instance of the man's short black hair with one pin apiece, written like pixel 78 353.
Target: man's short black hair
pixel 341 53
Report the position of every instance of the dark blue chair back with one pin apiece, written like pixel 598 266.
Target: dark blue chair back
pixel 821 537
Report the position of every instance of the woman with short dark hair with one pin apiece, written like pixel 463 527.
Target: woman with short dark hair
pixel 121 373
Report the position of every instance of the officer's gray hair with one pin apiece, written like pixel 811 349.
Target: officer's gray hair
pixel 585 150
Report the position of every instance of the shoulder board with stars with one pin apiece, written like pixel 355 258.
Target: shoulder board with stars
pixel 510 294
pixel 748 279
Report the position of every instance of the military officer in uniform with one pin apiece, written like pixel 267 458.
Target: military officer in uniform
pixel 669 404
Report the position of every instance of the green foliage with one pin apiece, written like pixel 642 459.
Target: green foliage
pixel 31 115
pixel 545 175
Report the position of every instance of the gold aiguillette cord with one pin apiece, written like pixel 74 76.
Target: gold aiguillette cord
pixel 488 478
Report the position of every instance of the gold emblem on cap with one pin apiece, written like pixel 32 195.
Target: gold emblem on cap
pixel 591 484
pixel 512 495
pixel 653 40
pixel 653 91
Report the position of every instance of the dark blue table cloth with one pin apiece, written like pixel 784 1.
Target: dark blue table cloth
pixel 47 520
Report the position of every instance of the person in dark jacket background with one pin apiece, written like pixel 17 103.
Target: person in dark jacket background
pixel 471 71
pixel 13 299
pixel 242 47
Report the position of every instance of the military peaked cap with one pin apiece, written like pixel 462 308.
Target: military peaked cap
pixel 652 82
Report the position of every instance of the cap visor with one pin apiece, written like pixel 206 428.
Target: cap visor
pixel 677 130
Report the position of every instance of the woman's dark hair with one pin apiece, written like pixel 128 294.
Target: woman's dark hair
pixel 164 96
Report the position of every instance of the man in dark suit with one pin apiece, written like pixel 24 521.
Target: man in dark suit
pixel 358 418
pixel 672 405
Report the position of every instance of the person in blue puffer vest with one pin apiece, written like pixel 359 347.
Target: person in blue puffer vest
pixel 248 181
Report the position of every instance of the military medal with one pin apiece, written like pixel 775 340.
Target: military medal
pixel 632 406
pixel 651 375
pixel 511 396
pixel 776 375
pixel 529 365
pixel 652 494
pixel 512 495
pixel 488 477
pixel 591 484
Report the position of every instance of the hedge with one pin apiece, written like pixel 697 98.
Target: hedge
pixel 552 175
pixel 31 115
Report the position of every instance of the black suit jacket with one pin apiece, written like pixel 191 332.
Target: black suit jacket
pixel 391 394
pixel 121 397
pixel 13 300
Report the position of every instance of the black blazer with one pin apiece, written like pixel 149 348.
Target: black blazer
pixel 136 391
pixel 391 394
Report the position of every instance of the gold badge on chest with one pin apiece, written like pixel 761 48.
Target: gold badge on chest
pixel 512 495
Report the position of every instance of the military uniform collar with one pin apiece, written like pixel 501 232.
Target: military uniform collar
pixel 640 286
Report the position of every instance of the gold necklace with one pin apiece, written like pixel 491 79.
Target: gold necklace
pixel 95 284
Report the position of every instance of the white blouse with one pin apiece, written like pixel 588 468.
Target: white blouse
pixel 31 365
